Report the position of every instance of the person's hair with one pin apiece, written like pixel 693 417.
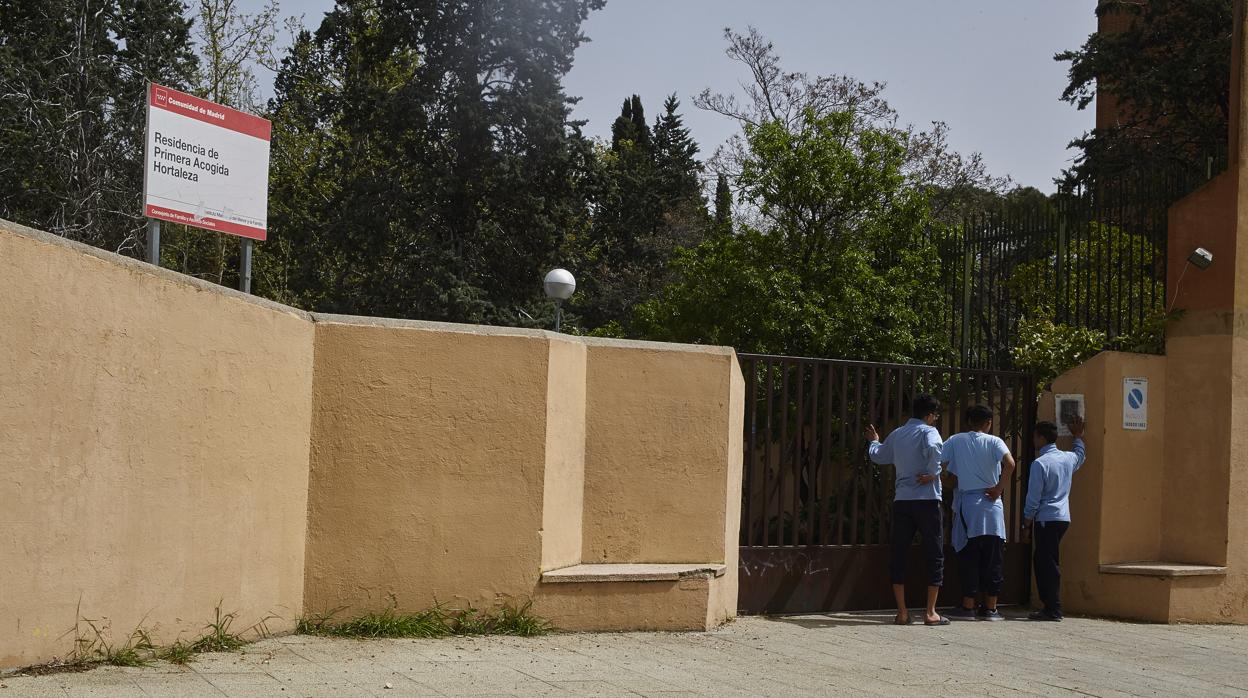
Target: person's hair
pixel 1048 430
pixel 978 415
pixel 924 405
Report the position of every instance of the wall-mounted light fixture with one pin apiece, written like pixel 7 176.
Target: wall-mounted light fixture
pixel 1199 258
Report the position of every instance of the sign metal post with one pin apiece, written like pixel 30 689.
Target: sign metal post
pixel 153 241
pixel 244 266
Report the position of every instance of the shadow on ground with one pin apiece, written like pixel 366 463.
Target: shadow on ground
pixel 859 619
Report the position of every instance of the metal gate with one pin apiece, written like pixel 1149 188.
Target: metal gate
pixel 816 513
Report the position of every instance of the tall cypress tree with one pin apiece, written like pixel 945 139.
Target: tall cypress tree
pixel 630 126
pixel 723 205
pixel 649 205
pixel 675 154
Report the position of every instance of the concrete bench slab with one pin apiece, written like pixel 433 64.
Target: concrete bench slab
pixel 1163 569
pixel 632 572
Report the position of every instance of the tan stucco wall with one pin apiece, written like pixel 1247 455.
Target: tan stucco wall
pixel 1134 491
pixel 428 467
pixel 155 447
pixel 661 453
pixel 170 444
pixel 1117 496
pixel 564 479
pixel 454 464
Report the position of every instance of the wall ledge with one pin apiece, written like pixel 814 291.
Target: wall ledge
pixel 626 572
pixel 1163 569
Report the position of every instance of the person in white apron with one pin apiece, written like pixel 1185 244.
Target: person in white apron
pixel 979 464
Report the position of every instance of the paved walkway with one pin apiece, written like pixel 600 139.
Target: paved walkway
pixel 811 655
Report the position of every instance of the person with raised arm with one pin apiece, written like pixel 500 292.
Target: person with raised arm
pixel 1046 516
pixel 914 449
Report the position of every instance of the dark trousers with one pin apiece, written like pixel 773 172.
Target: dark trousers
pixel 982 566
pixel 920 516
pixel 1046 540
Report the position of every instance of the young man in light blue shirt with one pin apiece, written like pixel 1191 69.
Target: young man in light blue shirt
pixel 914 449
pixel 1047 513
pixel 979 466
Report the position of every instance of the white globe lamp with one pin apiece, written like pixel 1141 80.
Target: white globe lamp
pixel 559 285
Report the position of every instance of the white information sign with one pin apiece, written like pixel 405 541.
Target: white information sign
pixel 206 165
pixel 1135 404
pixel 1067 407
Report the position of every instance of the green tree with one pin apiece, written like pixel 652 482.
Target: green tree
pixel 676 156
pixel 723 205
pixel 630 126
pixel 1169 72
pixel 456 177
pixel 956 184
pixel 839 265
pixel 1096 294
pixel 73 77
pixel 647 205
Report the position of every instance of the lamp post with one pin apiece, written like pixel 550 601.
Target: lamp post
pixel 559 285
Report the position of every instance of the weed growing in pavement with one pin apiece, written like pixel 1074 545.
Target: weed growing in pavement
pixel 92 646
pixel 177 653
pixel 219 638
pixel 438 621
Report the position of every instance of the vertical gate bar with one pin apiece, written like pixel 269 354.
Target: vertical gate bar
pixel 1015 386
pixel 813 461
pixel 825 465
pixel 799 450
pixel 1088 222
pixel 967 264
pixel 782 474
pixel 886 526
pixel 767 458
pixel 1059 265
pixel 846 456
pixel 858 456
pixel 751 427
pixel 874 413
pixel 1028 455
pixel 1117 251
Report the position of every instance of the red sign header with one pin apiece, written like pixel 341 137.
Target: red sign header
pixel 177 102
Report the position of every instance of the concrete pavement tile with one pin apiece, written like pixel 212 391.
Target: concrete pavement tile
pixel 593 689
pixel 177 686
pixel 35 691
pixel 225 682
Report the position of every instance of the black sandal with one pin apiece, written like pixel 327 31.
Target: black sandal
pixel 903 621
pixel 943 621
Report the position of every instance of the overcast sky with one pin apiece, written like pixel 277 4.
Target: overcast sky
pixel 983 66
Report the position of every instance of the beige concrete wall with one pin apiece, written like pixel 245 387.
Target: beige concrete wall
pixel 428 469
pixel 1118 496
pixel 564 480
pixel 171 444
pixel 1198 450
pixel 662 453
pixel 155 437
pixel 695 603
pixel 454 464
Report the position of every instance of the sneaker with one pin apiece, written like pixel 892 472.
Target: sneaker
pixel 959 613
pixel 1046 616
pixel 991 614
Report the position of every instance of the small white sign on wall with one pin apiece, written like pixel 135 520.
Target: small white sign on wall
pixel 1066 407
pixel 1135 404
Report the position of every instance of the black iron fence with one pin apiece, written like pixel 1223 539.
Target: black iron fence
pixel 1094 258
pixel 816 514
